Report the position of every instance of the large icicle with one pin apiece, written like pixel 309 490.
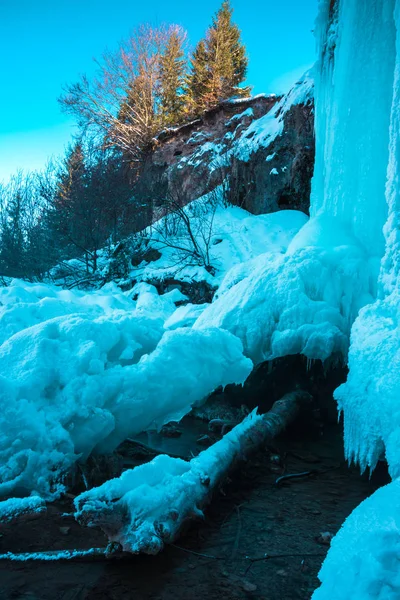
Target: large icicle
pixel 363 561
pixel 370 398
pixel 354 83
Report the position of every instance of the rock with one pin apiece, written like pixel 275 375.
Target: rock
pixel 325 538
pixel 190 160
pixel 248 586
pixel 275 459
pixel 65 530
pixel 171 430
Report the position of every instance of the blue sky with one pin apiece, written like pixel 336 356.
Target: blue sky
pixel 45 44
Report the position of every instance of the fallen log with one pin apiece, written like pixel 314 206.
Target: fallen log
pixel 55 555
pixel 147 507
pixel 28 508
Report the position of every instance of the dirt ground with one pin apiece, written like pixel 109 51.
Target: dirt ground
pixel 251 516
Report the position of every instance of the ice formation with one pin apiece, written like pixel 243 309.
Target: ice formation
pixel 99 371
pixel 369 399
pixel 357 178
pixel 302 301
pixel 363 561
pixel 158 492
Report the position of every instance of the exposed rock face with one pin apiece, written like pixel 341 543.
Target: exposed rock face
pixel 284 180
pixel 262 147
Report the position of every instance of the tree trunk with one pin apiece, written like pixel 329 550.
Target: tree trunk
pixel 180 490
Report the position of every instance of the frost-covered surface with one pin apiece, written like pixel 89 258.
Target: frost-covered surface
pixel 15 507
pixel 81 372
pixel 158 492
pixel 363 561
pixel 303 301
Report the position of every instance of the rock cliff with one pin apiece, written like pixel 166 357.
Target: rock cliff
pixel 262 147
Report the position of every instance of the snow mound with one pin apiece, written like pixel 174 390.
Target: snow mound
pixel 84 381
pixel 363 561
pixel 303 301
pixel 185 316
pixel 226 235
pixel 24 304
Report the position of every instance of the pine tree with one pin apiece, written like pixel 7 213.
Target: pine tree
pixel 172 79
pixel 197 81
pixel 226 56
pixel 220 64
pixel 12 249
pixel 65 217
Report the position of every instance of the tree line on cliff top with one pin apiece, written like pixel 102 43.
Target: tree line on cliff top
pixel 83 201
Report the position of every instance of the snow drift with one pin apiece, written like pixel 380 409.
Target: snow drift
pixel 363 561
pixel 303 301
pixel 84 381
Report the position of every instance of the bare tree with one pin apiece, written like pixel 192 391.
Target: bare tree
pixel 22 248
pixel 187 229
pixel 121 104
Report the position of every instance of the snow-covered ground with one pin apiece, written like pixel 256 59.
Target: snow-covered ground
pixel 227 236
pixel 81 371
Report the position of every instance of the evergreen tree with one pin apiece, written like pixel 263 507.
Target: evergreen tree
pixel 219 64
pixel 172 79
pixel 226 56
pixel 197 81
pixel 65 216
pixel 12 252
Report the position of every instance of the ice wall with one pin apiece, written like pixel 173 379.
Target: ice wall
pixel 363 560
pixel 370 397
pixel 354 82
